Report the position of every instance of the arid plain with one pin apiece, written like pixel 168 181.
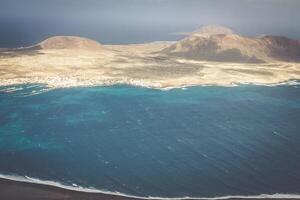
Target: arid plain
pixel 65 61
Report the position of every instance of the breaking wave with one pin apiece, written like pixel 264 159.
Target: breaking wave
pixel 25 90
pixel 77 188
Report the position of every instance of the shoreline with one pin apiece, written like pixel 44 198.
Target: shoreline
pixel 23 188
pixel 48 87
pixel 142 65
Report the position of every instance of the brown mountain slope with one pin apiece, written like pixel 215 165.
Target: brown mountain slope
pixel 221 44
pixel 69 42
pixel 282 48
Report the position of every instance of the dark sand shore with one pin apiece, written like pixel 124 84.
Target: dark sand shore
pixel 15 190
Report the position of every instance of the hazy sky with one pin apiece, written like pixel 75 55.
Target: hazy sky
pixel 24 22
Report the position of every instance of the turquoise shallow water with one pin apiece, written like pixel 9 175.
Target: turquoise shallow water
pixel 201 142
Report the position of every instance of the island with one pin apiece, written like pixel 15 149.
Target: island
pixel 212 55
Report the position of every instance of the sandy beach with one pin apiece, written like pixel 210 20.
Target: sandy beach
pixel 16 190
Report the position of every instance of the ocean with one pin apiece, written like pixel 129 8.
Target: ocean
pixel 198 141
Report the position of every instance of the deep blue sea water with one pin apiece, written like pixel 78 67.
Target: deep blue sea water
pixel 200 142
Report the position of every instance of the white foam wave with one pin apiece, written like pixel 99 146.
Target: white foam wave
pixel 233 84
pixel 290 82
pixel 36 92
pixel 75 187
pixel 24 91
pixel 137 83
pixel 11 89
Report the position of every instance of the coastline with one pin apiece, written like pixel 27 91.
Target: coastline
pixel 136 65
pixel 23 188
pixel 16 190
pixel 141 84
